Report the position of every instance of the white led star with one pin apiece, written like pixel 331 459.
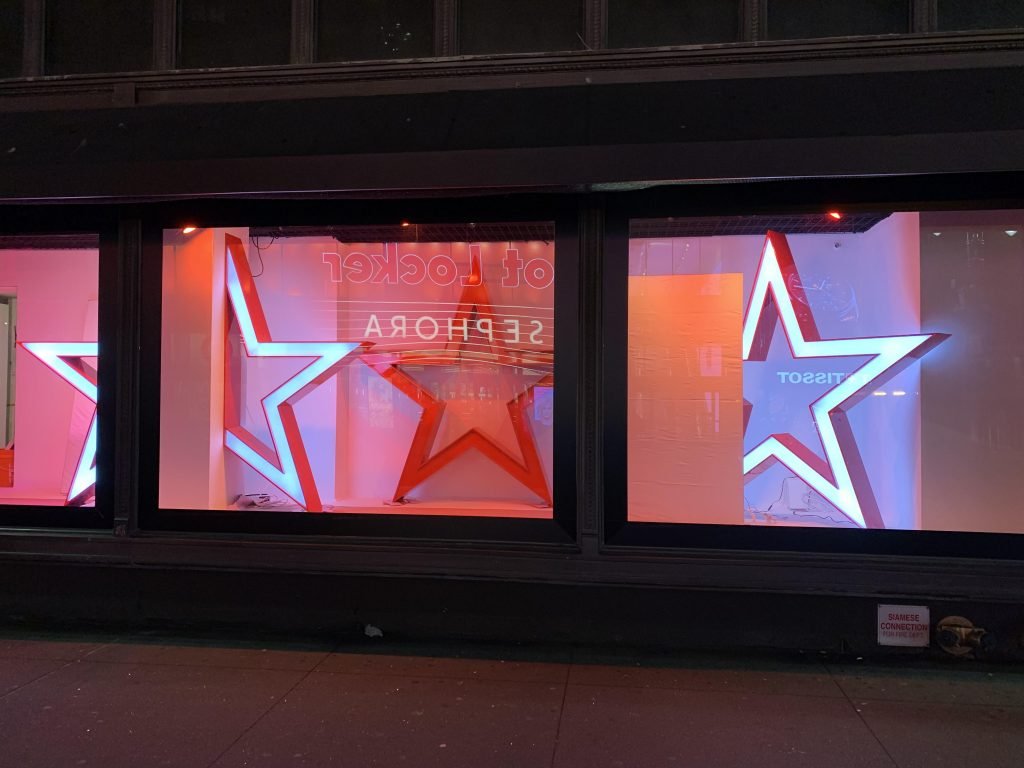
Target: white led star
pixel 286 465
pixel 66 360
pixel 840 478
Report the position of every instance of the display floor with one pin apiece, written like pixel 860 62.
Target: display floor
pixel 377 507
pixel 143 700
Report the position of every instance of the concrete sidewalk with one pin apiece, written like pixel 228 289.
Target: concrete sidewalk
pixel 145 701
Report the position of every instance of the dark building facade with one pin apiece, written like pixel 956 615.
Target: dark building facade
pixel 691 324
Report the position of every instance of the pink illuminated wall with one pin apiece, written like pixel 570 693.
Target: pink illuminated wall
pixel 685 399
pixel 192 468
pixel 57 301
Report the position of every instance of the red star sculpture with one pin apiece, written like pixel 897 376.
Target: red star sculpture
pixel 474 305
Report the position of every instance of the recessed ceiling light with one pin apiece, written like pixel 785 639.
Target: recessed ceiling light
pixel 1011 232
pixel 188 230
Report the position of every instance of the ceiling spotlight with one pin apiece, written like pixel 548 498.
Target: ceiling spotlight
pixel 1010 232
pixel 936 234
pixel 835 215
pixel 188 229
pixel 406 224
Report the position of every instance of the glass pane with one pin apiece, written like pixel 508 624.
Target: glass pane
pixel 520 26
pixel 235 33
pixel 359 369
pixel 48 305
pixel 865 371
pixel 11 37
pixel 794 19
pixel 98 36
pixel 980 14
pixel 640 23
pixel 353 30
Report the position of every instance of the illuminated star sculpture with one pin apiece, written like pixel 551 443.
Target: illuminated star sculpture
pixel 777 298
pixel 67 360
pixel 422 462
pixel 286 465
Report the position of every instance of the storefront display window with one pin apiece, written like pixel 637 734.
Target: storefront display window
pixel 858 371
pixel 405 369
pixel 48 351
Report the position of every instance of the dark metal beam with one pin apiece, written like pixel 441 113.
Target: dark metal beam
pixel 446 27
pixel 924 16
pixel 589 402
pixel 595 24
pixel 165 34
pixel 753 20
pixel 304 31
pixel 35 38
pixel 119 411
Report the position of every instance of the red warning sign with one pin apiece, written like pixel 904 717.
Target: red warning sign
pixel 906 625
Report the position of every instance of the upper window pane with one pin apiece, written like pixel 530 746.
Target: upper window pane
pixel 640 23
pixel 353 30
pixel 859 372
pixel 11 36
pixel 980 14
pixel 406 370
pixel 795 19
pixel 234 33
pixel 48 346
pixel 98 36
pixel 520 26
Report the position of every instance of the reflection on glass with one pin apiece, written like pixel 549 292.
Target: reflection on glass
pixel 979 14
pixel 233 33
pixel 320 371
pixel 12 34
pixel 97 36
pixel 851 373
pixel 793 19
pixel 355 30
pixel 514 26
pixel 641 23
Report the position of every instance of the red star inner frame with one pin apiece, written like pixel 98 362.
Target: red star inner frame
pixel 401 370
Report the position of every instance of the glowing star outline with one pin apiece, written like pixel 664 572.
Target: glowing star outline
pixel 65 358
pixel 420 464
pixel 286 465
pixel 841 477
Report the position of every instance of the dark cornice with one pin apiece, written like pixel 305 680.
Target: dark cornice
pixel 466 73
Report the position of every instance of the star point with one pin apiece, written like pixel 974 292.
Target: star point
pixel 67 360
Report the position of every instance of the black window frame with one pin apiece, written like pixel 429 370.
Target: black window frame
pixel 560 530
pixel 48 230
pixel 591 243
pixel 811 196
